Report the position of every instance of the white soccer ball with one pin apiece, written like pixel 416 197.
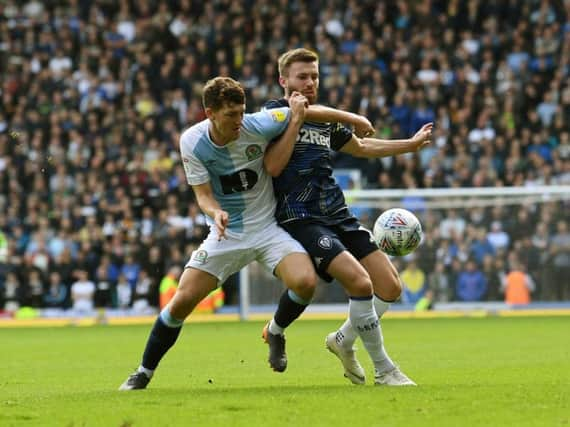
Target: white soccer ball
pixel 397 232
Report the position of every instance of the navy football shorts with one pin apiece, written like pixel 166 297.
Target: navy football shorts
pixel 324 242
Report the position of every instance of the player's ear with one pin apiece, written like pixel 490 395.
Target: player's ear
pixel 209 113
pixel 283 82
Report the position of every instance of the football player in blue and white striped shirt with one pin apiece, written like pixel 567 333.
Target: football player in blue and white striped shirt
pixel 225 162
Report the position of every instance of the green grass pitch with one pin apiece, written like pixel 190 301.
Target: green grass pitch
pixel 471 372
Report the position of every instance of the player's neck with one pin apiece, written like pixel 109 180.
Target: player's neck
pixel 216 137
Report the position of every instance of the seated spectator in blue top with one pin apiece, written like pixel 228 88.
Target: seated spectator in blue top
pixel 56 291
pixel 471 283
pixel 480 246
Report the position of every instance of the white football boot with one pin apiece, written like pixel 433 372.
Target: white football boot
pixel 352 368
pixel 394 377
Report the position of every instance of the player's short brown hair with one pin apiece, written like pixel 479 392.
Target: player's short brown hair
pixel 220 91
pixel 295 55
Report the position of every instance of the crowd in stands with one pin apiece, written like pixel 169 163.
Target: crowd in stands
pixel 95 93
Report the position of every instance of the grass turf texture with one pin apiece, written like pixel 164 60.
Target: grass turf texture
pixel 471 372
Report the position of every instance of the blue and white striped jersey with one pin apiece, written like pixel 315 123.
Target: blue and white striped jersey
pixel 236 172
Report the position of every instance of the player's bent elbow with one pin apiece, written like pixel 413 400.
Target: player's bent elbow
pixel 273 170
pixel 273 173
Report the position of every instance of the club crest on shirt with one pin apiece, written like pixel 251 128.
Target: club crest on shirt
pixel 278 116
pixel 325 242
pixel 253 152
pixel 201 256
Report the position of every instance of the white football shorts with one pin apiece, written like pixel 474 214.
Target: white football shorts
pixel 227 256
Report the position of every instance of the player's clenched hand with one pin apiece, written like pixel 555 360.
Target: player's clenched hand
pixel 298 103
pixel 221 221
pixel 422 137
pixel 363 127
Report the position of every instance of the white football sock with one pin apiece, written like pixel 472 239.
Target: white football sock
pixel 380 306
pixel 366 323
pixel 148 372
pixel 274 328
pixel 346 335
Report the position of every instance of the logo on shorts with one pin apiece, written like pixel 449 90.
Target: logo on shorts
pixel 325 242
pixel 253 151
pixel 201 256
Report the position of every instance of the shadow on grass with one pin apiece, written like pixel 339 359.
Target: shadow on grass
pixel 205 391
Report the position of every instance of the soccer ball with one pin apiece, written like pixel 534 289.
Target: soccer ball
pixel 397 232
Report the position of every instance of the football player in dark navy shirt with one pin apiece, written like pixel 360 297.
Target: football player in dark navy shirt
pixel 311 207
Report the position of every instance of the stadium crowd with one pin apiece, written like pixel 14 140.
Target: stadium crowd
pixel 94 207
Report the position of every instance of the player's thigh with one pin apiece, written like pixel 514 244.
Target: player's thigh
pixel 221 258
pixel 359 241
pixel 351 274
pixel 194 285
pixel 321 242
pixel 384 276
pixel 285 257
pixel 296 271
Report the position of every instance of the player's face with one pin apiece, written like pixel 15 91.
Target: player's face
pixel 303 77
pixel 226 122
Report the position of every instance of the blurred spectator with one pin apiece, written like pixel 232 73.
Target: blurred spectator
pixel 517 285
pixel 82 294
pixel 414 281
pixel 56 292
pixel 494 271
pixel 105 282
pixel 480 247
pixel 35 288
pixel 124 292
pixel 471 283
pixel 425 302
pixel 560 254
pixel 12 293
pixel 497 238
pixel 168 285
pixel 143 289
pixel 3 247
pixel 130 270
pixel 452 226
pixel 439 285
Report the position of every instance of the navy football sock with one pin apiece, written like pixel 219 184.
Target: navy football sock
pixel 290 307
pixel 161 338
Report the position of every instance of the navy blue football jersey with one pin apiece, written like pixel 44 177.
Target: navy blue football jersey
pixel 306 188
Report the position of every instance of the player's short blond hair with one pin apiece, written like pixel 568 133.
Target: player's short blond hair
pixel 221 91
pixel 295 55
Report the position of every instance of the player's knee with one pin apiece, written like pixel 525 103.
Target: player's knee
pixel 188 295
pixel 391 288
pixel 304 284
pixel 358 286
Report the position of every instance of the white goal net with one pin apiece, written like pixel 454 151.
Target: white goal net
pixel 489 230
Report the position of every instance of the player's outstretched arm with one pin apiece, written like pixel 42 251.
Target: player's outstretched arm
pixel 211 207
pixel 279 152
pixel 323 114
pixel 373 148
